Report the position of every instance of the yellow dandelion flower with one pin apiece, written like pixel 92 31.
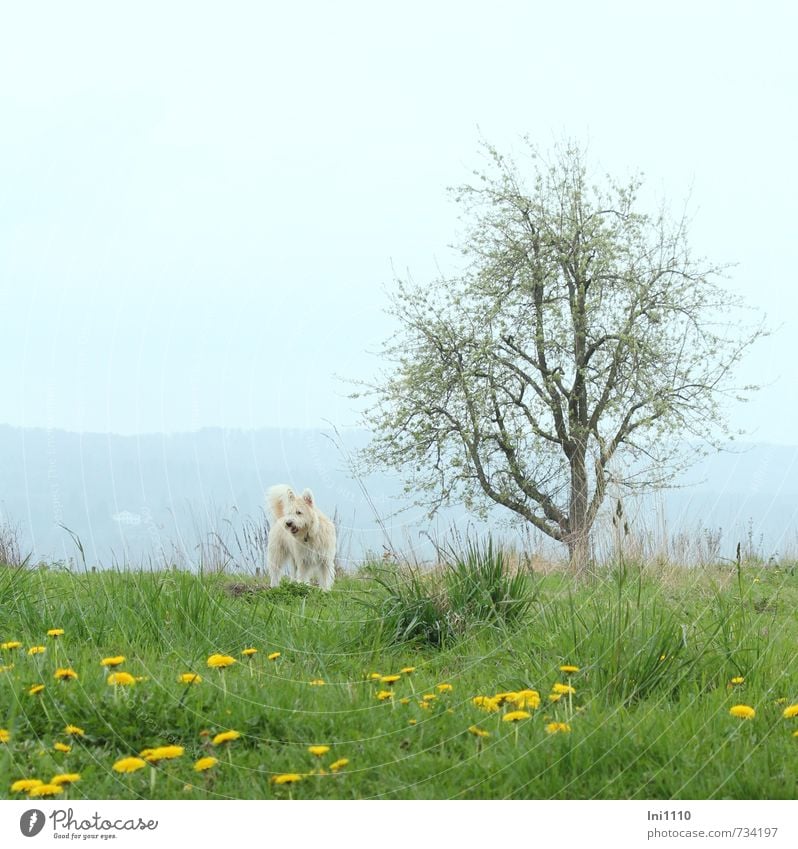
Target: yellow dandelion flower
pixel 120 679
pixel 24 785
pixel 13 644
pixel 485 703
pixel 795 733
pixel 407 670
pixel 55 632
pixel 501 698
pixel 5 736
pixel 225 737
pixel 11 666
pixel 129 764
pixel 384 694
pixel 404 701
pixel 273 656
pixel 67 674
pixel 375 676
pixel 37 650
pixel 220 661
pixel 205 763
pixel 65 778
pixel 190 678
pixel 444 688
pixel 316 682
pixel 62 747
pixel 339 764
pixel 249 652
pixel 429 697
pixel 424 705
pixel 389 679
pixel 563 689
pixel 738 679
pixel 35 689
pixel 515 716
pixel 526 699
pixel 162 753
pixel 169 752
pixel 742 711
pixel 569 669
pixel 558 728
pixel 286 778
pixel 790 712
pixel 112 661
pixel 75 731
pixel 478 732
pixel 555 697
pixel 46 790
pixel 412 721
pixel 318 751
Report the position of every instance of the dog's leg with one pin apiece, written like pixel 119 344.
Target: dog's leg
pixel 276 555
pixel 326 575
pixel 302 573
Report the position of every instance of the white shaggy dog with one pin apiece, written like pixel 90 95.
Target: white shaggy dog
pixel 302 535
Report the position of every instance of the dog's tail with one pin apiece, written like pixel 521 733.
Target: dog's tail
pixel 277 497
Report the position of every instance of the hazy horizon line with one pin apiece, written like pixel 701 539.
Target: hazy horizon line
pixel 744 439
pixel 184 432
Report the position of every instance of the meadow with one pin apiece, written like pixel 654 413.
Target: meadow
pixel 476 680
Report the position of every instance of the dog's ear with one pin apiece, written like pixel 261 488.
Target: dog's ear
pixel 289 494
pixel 307 497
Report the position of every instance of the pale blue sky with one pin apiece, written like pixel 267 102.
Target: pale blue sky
pixel 200 203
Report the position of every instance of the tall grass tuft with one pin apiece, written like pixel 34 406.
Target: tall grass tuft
pixel 471 588
pixel 480 583
pixel 15 582
pixel 10 551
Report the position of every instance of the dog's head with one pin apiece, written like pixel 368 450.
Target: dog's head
pixel 300 514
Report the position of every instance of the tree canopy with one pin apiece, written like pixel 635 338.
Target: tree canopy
pixel 584 349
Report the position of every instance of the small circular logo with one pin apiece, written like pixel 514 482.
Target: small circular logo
pixel 31 822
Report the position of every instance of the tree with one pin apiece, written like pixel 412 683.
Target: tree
pixel 582 349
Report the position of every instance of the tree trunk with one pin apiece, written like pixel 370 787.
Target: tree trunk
pixel 579 536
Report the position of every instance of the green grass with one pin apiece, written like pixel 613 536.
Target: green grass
pixel 650 718
pixel 438 608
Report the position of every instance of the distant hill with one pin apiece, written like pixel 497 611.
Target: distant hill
pixel 127 497
pixel 159 497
